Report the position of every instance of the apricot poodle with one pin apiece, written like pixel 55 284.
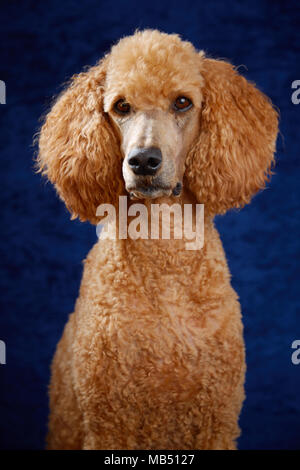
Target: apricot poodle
pixel 153 356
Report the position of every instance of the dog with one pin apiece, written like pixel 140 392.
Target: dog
pixel 153 356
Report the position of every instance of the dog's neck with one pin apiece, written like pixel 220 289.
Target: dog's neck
pixel 151 245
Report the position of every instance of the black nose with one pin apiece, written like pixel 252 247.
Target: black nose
pixel 145 161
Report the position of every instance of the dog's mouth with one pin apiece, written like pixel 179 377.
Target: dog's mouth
pixel 153 191
pixel 149 192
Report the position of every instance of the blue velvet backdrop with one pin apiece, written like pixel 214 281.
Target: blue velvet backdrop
pixel 42 44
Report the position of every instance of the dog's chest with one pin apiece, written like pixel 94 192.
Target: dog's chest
pixel 138 354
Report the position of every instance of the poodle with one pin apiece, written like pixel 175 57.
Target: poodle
pixel 153 356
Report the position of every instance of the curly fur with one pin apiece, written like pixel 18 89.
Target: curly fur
pixel 153 356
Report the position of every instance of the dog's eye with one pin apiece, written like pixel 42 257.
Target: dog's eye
pixel 122 107
pixel 182 103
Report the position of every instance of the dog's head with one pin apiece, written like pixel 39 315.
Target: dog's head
pixel 166 118
pixel 153 96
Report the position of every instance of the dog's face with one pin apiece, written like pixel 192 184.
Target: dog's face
pixel 155 142
pixel 155 108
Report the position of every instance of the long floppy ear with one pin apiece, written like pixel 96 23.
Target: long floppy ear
pixel 79 151
pixel 233 156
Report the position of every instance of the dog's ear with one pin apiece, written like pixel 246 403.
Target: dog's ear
pixel 233 155
pixel 79 151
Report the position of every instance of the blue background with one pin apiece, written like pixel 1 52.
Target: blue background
pixel 42 44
